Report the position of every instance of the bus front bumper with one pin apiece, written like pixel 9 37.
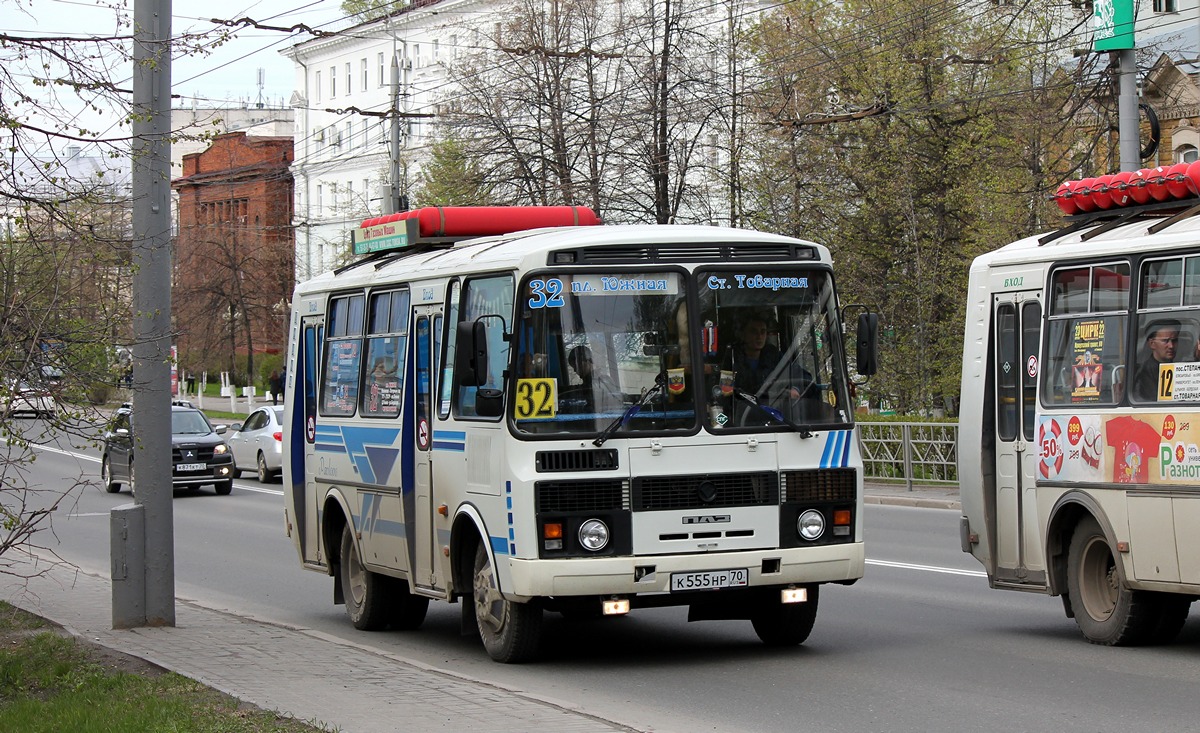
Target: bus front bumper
pixel 652 574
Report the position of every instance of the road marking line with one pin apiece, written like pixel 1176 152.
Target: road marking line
pixel 60 451
pixel 927 568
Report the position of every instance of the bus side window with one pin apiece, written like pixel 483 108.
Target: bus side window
pixel 343 356
pixel 446 382
pixel 484 299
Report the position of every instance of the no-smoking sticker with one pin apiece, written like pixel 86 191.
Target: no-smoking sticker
pixel 423 434
pixel 310 428
pixel 1031 366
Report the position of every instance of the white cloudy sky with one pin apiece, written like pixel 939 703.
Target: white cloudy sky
pixel 228 74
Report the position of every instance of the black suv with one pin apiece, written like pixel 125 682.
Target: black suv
pixel 198 453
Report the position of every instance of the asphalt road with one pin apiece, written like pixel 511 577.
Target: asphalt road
pixel 920 644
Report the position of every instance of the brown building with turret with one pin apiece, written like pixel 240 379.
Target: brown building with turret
pixel 234 254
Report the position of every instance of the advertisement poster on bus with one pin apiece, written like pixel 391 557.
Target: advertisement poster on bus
pixel 1087 370
pixel 1125 449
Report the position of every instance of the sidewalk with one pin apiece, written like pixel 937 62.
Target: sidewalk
pixel 321 679
pixel 301 672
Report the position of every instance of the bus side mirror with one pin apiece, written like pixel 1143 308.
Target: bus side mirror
pixel 470 358
pixel 489 402
pixel 868 344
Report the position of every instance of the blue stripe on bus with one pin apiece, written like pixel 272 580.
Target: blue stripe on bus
pixel 837 449
pixel 328 448
pixel 499 545
pixel 456 447
pixel 450 435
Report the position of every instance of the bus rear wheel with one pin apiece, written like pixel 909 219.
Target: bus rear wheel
pixel 785 624
pixel 1106 611
pixel 510 631
pixel 366 593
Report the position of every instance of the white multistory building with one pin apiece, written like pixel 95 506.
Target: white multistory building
pixel 342 96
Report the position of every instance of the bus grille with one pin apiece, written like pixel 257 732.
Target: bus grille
pixel 827 484
pixel 581 496
pixel 575 460
pixel 652 493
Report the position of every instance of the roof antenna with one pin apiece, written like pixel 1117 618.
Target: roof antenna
pixel 262 80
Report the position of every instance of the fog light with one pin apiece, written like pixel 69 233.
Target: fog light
pixel 616 606
pixel 794 595
pixel 223 470
pixel 553 544
pixel 593 535
pixel 811 524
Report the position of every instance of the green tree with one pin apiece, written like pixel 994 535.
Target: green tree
pixel 452 177
pixel 910 137
pixel 364 10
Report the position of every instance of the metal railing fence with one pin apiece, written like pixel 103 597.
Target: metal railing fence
pixel 910 452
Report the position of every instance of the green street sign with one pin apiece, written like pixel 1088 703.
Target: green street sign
pixel 1113 25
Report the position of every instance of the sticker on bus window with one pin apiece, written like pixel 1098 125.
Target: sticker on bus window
pixel 1179 382
pixel 536 399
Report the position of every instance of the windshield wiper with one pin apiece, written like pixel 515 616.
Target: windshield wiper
pixel 771 412
pixel 659 382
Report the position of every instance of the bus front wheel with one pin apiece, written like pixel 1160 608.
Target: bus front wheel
pixel 365 592
pixel 785 624
pixel 1106 611
pixel 510 631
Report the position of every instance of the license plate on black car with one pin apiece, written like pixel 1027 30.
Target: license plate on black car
pixel 191 467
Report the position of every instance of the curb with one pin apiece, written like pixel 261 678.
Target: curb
pixel 914 501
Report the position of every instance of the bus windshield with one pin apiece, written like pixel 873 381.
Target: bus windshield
pixel 589 346
pixel 771 348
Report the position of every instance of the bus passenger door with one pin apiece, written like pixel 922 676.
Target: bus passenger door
pixel 305 409
pixel 1018 321
pixel 424 573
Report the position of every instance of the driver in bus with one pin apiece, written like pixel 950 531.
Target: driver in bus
pixel 1161 339
pixel 600 390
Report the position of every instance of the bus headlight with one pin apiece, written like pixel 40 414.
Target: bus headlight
pixel 593 535
pixel 811 524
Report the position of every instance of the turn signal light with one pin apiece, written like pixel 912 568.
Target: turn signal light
pixel 841 516
pixel 552 531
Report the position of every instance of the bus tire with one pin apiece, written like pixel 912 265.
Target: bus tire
pixel 366 592
pixel 1106 611
pixel 785 624
pixel 510 631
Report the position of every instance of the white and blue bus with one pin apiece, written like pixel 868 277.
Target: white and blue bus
pixel 529 412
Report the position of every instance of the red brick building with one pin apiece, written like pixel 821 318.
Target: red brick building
pixel 234 254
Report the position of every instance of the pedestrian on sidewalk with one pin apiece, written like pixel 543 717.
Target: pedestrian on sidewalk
pixel 275 384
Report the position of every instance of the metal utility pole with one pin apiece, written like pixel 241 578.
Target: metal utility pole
pixel 394 201
pixel 1128 129
pixel 142 541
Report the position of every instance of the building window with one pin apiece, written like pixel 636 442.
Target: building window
pixel 382 76
pixel 332 82
pixel 1165 6
pixel 349 79
pixel 416 55
pixel 363 81
pixel 320 203
pixel 318 86
pixel 436 50
pixel 1187 154
pixel 349 133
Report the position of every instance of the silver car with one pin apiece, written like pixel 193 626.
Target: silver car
pixel 25 399
pixel 258 442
